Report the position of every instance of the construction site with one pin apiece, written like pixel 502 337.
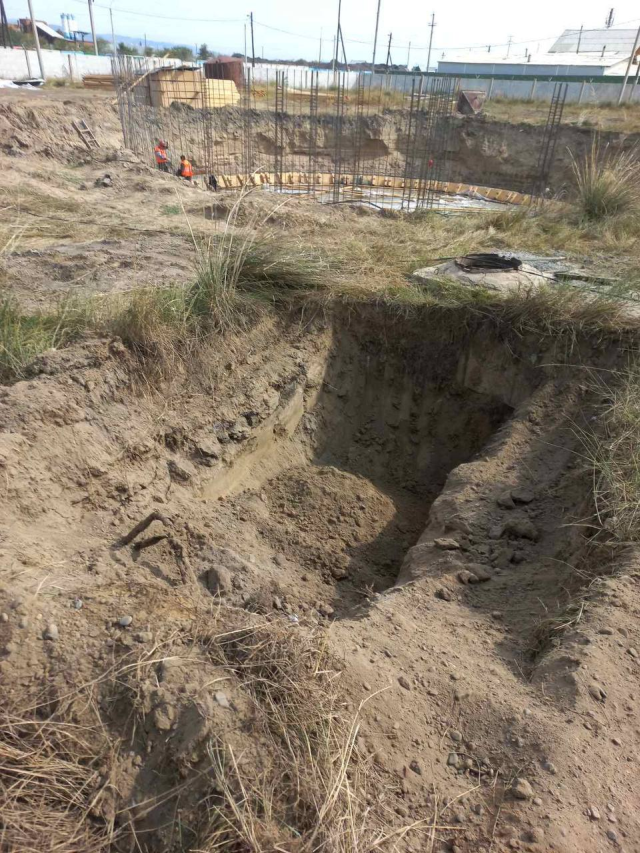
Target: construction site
pixel 318 493
pixel 384 140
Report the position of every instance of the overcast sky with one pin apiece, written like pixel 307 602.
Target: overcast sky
pixel 459 26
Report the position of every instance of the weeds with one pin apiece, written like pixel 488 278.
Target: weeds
pixel 608 182
pixel 614 451
pixel 317 801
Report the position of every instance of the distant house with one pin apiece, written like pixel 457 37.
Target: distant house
pixel 44 30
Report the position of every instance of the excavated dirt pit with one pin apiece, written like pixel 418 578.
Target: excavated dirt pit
pixel 376 431
pixel 411 487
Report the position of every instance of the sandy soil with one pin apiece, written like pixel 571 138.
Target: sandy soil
pixel 415 494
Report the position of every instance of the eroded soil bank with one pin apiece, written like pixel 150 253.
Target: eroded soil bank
pixel 412 487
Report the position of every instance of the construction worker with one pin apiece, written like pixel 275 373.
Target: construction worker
pixel 186 169
pixel 161 155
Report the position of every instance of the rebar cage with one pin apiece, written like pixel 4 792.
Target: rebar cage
pixel 383 140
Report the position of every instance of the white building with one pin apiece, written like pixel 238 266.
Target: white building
pixel 540 64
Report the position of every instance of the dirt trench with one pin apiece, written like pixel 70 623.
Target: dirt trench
pixel 412 484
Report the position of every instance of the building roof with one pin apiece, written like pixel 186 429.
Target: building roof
pixel 595 41
pixel 553 59
pixel 46 30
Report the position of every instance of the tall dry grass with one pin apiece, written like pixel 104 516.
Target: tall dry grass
pixel 607 182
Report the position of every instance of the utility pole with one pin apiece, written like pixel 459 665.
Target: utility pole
pixel 579 38
pixel 375 39
pixel 113 34
pixel 408 55
pixel 432 25
pixel 36 39
pixel 145 44
pixel 93 28
pixel 333 54
pixel 628 71
pixel 389 52
pixel 632 90
pixel 6 32
pixel 609 22
pixel 344 52
pixel 320 51
pixel 253 50
pixel 337 42
pixel 509 45
pixel 245 44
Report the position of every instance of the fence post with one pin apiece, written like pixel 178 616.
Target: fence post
pixel 26 56
pixel 490 89
pixel 533 89
pixel 70 67
pixel 584 83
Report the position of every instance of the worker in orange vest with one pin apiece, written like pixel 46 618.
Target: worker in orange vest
pixel 186 169
pixel 161 155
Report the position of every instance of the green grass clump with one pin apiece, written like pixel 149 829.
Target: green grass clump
pixel 25 336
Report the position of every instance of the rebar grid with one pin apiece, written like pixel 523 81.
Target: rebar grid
pixel 385 142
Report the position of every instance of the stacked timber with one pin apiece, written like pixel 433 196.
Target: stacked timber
pixel 98 81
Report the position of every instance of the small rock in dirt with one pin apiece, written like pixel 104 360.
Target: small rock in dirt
pixel 612 835
pixel 535 835
pixel 632 652
pixel 221 699
pixel 125 621
pixel 537 801
pixel 522 496
pixel 51 632
pixel 277 603
pixel 453 760
pixel 404 682
pixel 606 631
pixel 597 692
pixel 4 617
pixel 401 810
pixel 443 593
pixel 456 736
pixel 182 471
pixel 326 610
pixel 208 447
pixel 478 809
pixel 505 500
pixel 77 604
pixel 521 528
pixel 593 813
pixel 550 767
pixel 497 614
pixel 23 622
pixel 240 430
pixel 466 577
pixel 522 790
pixel 479 574
pixel 144 636
pixel 415 767
pixel 446 544
pixel 616 741
pixel 339 571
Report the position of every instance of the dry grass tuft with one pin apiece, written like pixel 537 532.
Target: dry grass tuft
pixel 308 795
pixel 50 787
pixel 614 451
pixel 608 182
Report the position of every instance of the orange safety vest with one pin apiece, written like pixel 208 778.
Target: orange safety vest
pixel 187 169
pixel 161 154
